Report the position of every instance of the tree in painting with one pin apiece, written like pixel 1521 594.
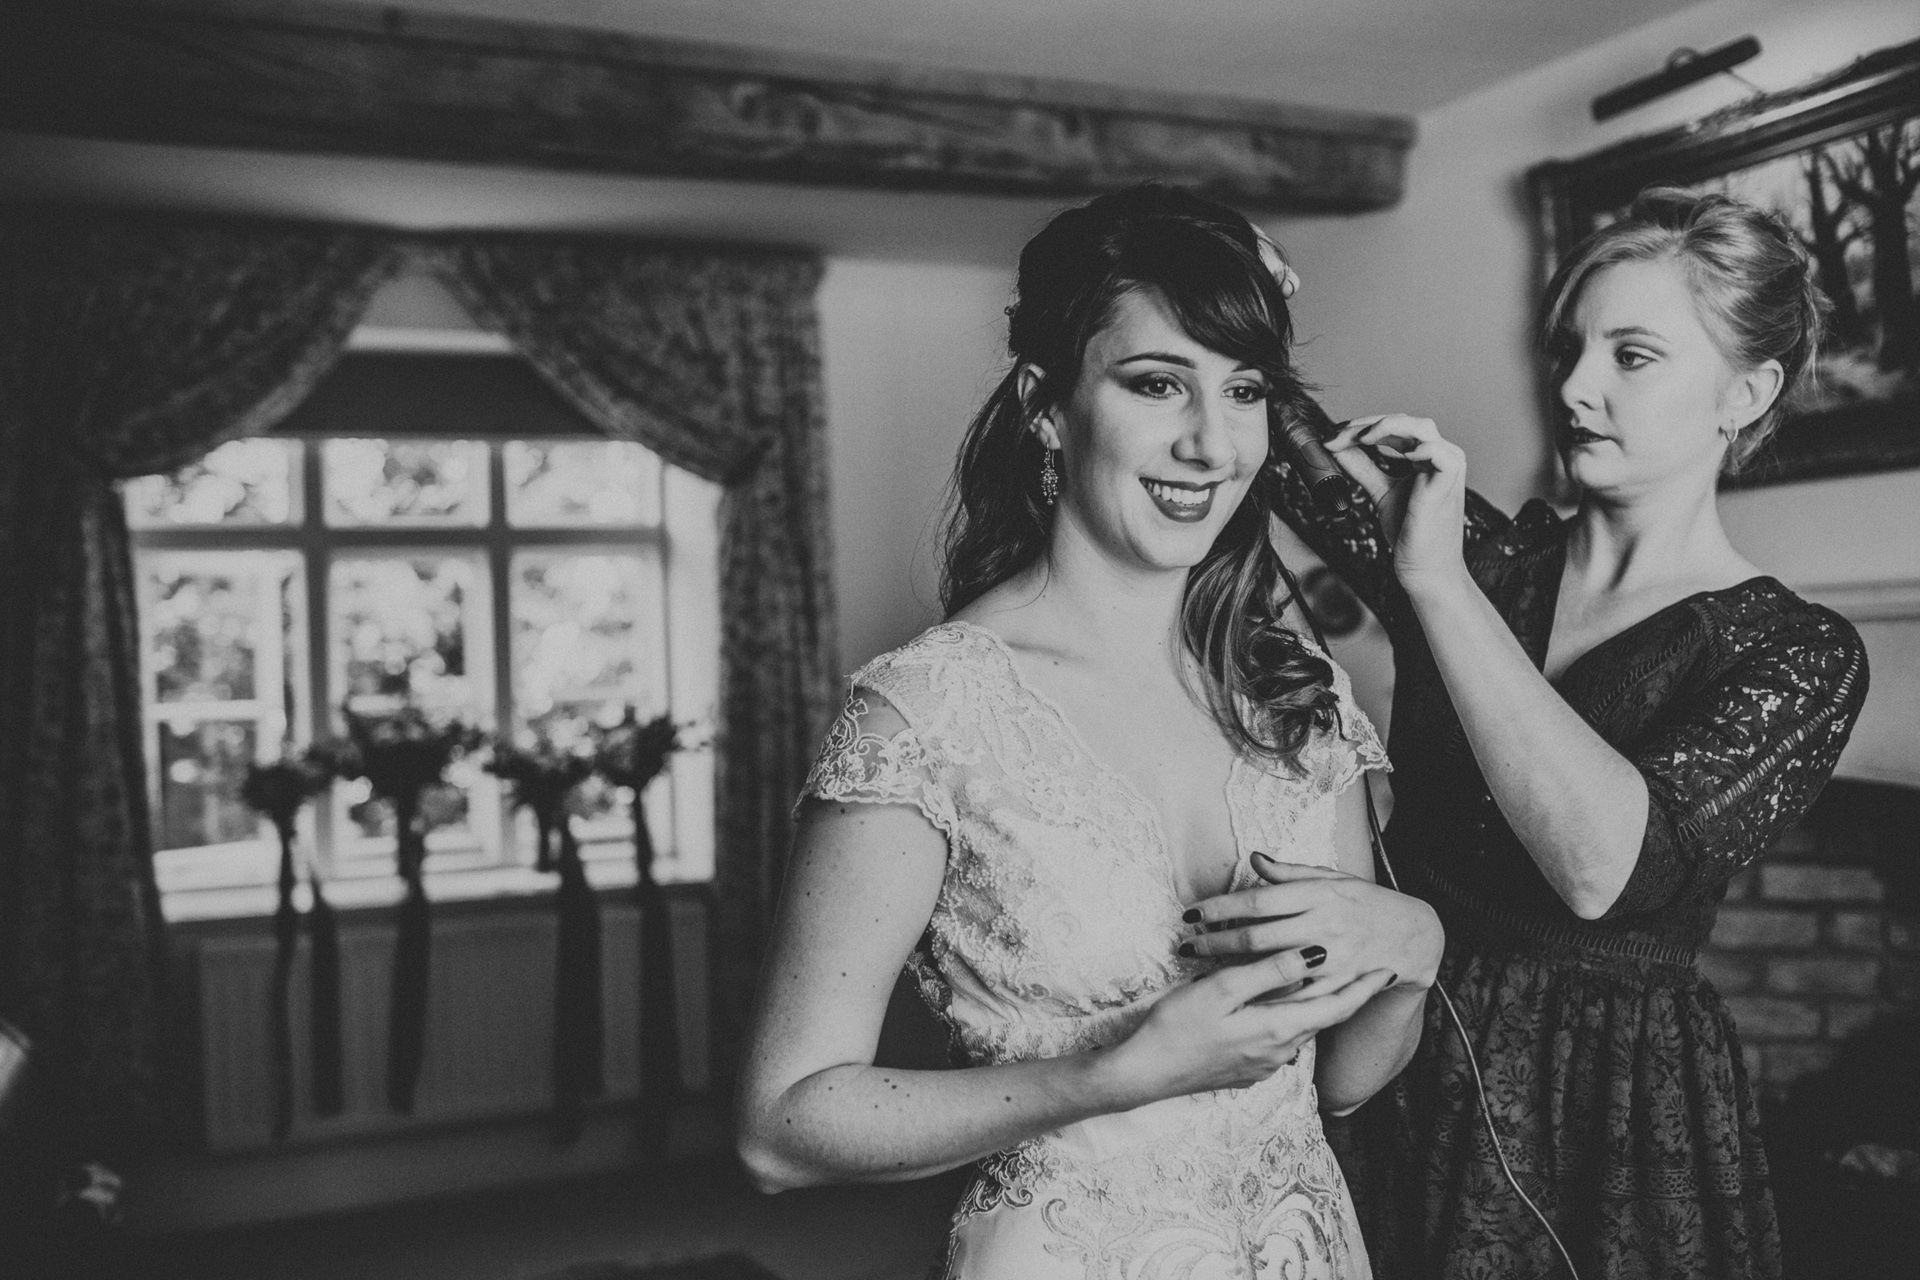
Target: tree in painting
pixel 1879 178
pixel 1853 204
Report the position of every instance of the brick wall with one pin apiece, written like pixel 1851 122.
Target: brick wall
pixel 1821 935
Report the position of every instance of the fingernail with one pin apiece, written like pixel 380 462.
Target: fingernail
pixel 1191 915
pixel 1186 949
pixel 1392 978
pixel 1314 956
pixel 1264 857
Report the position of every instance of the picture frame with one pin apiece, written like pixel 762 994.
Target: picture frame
pixel 1839 157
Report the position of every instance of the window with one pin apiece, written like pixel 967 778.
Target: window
pixel 518 583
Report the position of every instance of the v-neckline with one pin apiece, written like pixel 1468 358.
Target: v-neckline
pixel 1155 821
pixel 1543 627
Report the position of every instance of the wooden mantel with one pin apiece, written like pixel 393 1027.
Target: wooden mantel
pixel 304 76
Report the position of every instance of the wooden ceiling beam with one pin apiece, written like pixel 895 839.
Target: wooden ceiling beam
pixel 307 76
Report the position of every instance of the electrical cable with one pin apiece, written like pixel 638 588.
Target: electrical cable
pixel 1460 1028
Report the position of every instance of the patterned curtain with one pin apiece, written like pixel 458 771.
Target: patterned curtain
pixel 128 345
pixel 710 357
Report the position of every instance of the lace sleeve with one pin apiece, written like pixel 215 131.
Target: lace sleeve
pixel 1742 760
pixel 1336 758
pixel 1350 541
pixel 1355 547
pixel 873 756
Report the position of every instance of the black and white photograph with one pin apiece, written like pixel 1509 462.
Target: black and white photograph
pixel 959 639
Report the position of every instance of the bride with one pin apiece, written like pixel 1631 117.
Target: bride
pixel 1033 803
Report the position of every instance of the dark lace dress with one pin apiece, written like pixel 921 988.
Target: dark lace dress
pixel 1613 1069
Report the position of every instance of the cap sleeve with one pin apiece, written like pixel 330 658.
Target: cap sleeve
pixel 1353 745
pixel 1741 760
pixel 872 755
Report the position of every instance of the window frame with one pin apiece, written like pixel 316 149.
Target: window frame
pixel 680 808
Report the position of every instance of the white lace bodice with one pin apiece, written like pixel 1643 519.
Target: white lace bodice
pixel 1059 911
pixel 1056 928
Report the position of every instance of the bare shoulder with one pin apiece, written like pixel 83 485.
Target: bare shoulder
pixel 1017 614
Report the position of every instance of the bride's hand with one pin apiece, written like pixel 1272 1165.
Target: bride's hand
pixel 1336 926
pixel 1218 1032
pixel 1423 512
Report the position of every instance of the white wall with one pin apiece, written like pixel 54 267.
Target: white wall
pixel 1425 308
pixel 910 349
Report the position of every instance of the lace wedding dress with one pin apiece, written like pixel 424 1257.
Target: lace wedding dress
pixel 1054 931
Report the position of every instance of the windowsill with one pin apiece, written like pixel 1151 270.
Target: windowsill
pixel 363 893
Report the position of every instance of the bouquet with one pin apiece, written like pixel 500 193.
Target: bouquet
pixel 544 775
pixel 277 791
pixel 632 754
pixel 403 756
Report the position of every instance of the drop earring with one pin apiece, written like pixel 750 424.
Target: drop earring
pixel 1049 480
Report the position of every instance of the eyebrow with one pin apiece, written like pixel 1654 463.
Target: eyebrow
pixel 1632 331
pixel 1167 357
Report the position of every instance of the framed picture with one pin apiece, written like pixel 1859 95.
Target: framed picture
pixel 1840 159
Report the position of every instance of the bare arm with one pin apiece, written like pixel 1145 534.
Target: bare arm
pixel 814 1108
pixel 1577 805
pixel 1363 1054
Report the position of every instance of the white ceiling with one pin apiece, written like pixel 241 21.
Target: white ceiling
pixel 1374 55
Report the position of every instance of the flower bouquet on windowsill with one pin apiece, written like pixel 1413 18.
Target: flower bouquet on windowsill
pixel 544 776
pixel 403 755
pixel 631 755
pixel 279 791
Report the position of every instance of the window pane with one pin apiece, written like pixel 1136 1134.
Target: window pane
pixel 220 626
pixel 243 482
pixel 403 630
pixel 583 482
pixel 412 629
pixel 426 482
pixel 224 679
pixel 201 767
pixel 587 636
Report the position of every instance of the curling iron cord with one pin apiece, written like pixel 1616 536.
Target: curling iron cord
pixel 1446 1001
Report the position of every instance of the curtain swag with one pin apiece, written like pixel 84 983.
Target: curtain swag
pixel 133 344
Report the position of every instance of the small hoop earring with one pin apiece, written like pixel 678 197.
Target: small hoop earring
pixel 1049 480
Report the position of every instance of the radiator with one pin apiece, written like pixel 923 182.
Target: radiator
pixel 489 1041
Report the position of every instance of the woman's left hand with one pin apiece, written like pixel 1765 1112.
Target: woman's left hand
pixel 1430 529
pixel 1356 925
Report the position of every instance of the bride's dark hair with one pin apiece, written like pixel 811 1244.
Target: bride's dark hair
pixel 1266 687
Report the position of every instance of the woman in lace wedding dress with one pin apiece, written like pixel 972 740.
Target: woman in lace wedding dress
pixel 1035 803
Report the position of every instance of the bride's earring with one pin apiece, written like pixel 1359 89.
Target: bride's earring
pixel 1049 480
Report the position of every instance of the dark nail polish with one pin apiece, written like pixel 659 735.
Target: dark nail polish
pixel 1186 949
pixel 1392 978
pixel 1314 956
pixel 1264 857
pixel 1191 915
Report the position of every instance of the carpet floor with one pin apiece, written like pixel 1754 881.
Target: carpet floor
pixel 607 1228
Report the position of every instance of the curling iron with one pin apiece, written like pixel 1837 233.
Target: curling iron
pixel 1303 432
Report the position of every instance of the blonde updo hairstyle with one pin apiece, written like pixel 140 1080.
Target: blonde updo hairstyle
pixel 1751 279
